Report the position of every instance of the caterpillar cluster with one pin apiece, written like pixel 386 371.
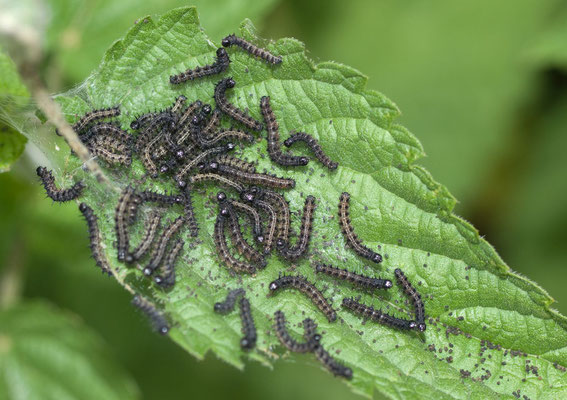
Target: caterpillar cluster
pixel 186 144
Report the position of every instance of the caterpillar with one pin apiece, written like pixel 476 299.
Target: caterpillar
pixel 248 341
pixel 272 224
pixel 300 283
pixel 95 238
pixel 157 319
pixel 371 313
pixel 310 331
pixel 254 216
pixel 227 305
pixel 231 110
pixel 151 227
pixel 148 196
pixel 311 339
pixel 357 279
pixel 190 215
pixel 203 136
pixel 179 102
pixel 111 144
pixel 254 50
pixel 283 213
pixel 121 219
pixel 331 364
pixel 315 147
pixel 143 119
pixel 106 129
pixel 161 246
pixel 189 113
pixel 348 231
pixel 147 159
pixel 294 252
pixel 93 116
pixel 238 240
pixel 198 178
pixel 233 134
pixel 109 156
pixel 234 162
pixel 167 278
pixel 220 65
pixel 59 195
pixel 195 161
pixel 415 297
pixel 254 178
pixel 224 252
pixel 274 148
pixel 252 195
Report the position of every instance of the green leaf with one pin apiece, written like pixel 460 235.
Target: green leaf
pixel 12 93
pixel 491 333
pixel 46 354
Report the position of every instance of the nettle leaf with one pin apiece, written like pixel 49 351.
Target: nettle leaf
pixel 46 354
pixel 491 332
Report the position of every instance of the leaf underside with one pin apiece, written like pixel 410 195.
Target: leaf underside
pixel 491 332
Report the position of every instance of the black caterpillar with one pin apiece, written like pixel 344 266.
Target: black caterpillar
pixel 304 286
pixel 220 65
pixel 59 195
pixel 233 40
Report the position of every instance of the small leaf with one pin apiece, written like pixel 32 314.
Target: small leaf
pixel 491 332
pixel 46 354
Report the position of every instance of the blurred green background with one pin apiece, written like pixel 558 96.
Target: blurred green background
pixel 482 84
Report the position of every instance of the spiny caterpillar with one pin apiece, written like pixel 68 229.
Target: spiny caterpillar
pixel 161 245
pixel 300 283
pixel 95 238
pixel 371 313
pixel 311 338
pixel 166 278
pixel 415 298
pixel 248 341
pixel 208 177
pixel 224 252
pixel 59 195
pixel 93 116
pixel 259 179
pixel 190 215
pixel 254 216
pixel 300 248
pixel 233 40
pixel 121 219
pixel 151 228
pixel 235 162
pixel 157 319
pixel 282 209
pixel 331 364
pixel 227 305
pixel 237 238
pixel 274 147
pixel 348 231
pixel 230 109
pixel 315 147
pixel 220 65
pixel 357 279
